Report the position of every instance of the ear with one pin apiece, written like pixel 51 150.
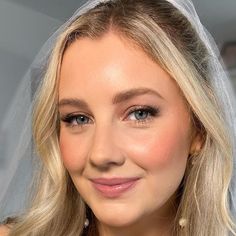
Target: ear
pixel 197 143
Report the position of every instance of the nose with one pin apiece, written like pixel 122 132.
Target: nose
pixel 105 151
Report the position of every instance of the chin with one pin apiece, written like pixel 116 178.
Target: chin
pixel 117 221
pixel 118 218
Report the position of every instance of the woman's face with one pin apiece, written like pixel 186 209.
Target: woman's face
pixel 125 133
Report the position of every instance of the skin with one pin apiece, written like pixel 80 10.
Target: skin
pixel 4 230
pixel 113 141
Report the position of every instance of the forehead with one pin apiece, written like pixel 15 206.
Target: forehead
pixel 110 64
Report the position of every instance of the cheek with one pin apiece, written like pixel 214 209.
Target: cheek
pixel 159 150
pixel 72 152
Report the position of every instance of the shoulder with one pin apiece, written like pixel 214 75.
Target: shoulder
pixel 4 230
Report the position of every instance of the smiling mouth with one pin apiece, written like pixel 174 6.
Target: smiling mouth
pixel 115 187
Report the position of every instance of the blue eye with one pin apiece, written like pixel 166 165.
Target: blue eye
pixel 80 119
pixel 76 120
pixel 143 113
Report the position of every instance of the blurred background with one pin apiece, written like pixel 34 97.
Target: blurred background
pixel 26 24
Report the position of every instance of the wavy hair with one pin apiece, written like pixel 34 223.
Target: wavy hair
pixel 168 38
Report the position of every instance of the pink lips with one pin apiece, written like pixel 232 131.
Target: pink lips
pixel 113 187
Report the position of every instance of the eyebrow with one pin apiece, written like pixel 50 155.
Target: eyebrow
pixel 74 102
pixel 118 98
pixel 129 94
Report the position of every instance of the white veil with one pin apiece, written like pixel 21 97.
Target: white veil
pixel 15 130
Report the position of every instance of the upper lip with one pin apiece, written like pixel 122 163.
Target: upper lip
pixel 113 181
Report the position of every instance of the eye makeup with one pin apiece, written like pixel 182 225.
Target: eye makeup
pixel 142 114
pixel 76 119
pixel 137 114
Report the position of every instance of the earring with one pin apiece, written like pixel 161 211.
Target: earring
pixel 182 222
pixel 86 223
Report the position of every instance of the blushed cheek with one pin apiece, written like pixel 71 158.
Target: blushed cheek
pixel 159 151
pixel 70 153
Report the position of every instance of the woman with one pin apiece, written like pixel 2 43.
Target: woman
pixel 130 127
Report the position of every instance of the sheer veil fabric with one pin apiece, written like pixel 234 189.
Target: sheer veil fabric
pixel 20 158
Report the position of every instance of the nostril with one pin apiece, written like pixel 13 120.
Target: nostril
pixel 105 160
pixel 103 167
pixel 105 151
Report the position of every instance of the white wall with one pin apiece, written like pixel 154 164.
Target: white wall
pixel 22 32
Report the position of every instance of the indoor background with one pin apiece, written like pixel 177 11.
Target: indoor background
pixel 26 24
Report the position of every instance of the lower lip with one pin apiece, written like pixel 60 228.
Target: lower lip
pixel 114 191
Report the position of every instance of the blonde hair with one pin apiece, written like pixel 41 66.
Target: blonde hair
pixel 167 37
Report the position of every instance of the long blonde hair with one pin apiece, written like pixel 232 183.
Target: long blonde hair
pixel 167 37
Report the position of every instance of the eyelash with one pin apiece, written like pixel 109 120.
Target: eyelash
pixel 152 112
pixel 71 118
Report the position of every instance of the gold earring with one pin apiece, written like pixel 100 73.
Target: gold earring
pixel 182 222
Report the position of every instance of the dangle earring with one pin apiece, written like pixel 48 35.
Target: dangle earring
pixel 87 216
pixel 182 222
pixel 86 223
